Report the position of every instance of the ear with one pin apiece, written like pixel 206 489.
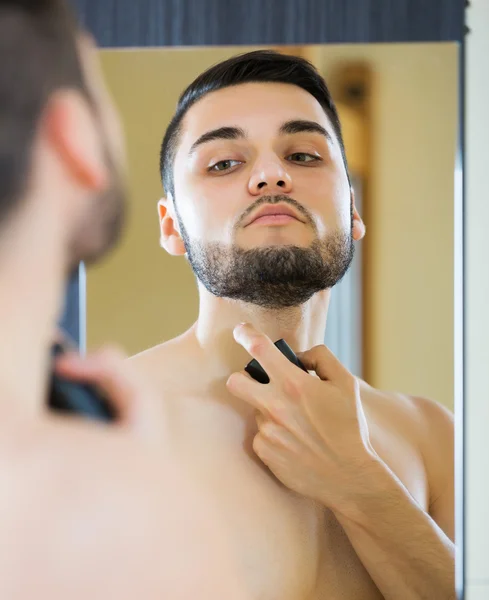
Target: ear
pixel 358 225
pixel 170 238
pixel 70 128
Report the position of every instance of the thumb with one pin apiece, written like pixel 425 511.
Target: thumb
pixel 134 400
pixel 325 364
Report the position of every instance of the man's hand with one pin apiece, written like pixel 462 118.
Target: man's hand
pixel 137 403
pixel 313 434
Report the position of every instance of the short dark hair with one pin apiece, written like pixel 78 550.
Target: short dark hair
pixel 38 55
pixel 267 66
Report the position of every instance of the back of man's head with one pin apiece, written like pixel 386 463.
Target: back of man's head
pixel 38 55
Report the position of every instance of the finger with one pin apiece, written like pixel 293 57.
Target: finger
pixel 280 437
pixel 261 347
pixel 260 419
pixel 73 362
pixel 135 401
pixel 107 371
pixel 321 360
pixel 263 449
pixel 246 388
pixel 272 432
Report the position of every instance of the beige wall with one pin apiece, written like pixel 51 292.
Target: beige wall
pixel 411 229
pixel 409 213
pixel 141 296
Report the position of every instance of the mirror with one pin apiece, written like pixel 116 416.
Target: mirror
pixel 390 319
pixel 398 108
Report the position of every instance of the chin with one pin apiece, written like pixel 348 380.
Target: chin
pixel 279 238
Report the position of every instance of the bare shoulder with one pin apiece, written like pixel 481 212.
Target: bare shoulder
pixel 437 438
pixel 163 350
pixel 431 426
pixel 436 420
pixel 423 422
pixel 165 362
pixel 85 507
pixel 54 475
pixel 427 415
pixel 63 469
pixel 168 350
pixel 51 455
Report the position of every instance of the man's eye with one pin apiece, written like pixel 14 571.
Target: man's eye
pixel 303 157
pixel 224 165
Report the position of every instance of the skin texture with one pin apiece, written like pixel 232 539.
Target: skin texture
pixel 87 511
pixel 329 488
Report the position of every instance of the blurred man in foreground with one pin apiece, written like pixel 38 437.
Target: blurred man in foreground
pixel 86 511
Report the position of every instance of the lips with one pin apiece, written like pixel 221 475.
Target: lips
pixel 274 212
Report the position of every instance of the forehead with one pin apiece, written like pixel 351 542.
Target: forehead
pixel 258 108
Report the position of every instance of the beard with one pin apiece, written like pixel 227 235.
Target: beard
pixel 104 221
pixel 272 277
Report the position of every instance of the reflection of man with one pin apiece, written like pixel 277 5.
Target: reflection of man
pixel 331 489
pixel 85 511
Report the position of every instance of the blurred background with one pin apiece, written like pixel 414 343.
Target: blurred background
pixel 391 318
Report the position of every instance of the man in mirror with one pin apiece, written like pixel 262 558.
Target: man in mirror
pixel 330 488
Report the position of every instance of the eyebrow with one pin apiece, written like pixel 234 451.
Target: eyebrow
pixel 234 133
pixel 304 126
pixel 222 133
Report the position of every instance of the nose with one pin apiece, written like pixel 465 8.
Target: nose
pixel 270 177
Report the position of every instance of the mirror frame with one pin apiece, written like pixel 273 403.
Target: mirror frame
pixel 157 23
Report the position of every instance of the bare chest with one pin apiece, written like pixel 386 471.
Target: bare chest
pixel 276 535
pixel 288 547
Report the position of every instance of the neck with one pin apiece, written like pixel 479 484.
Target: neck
pixel 301 327
pixel 32 277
